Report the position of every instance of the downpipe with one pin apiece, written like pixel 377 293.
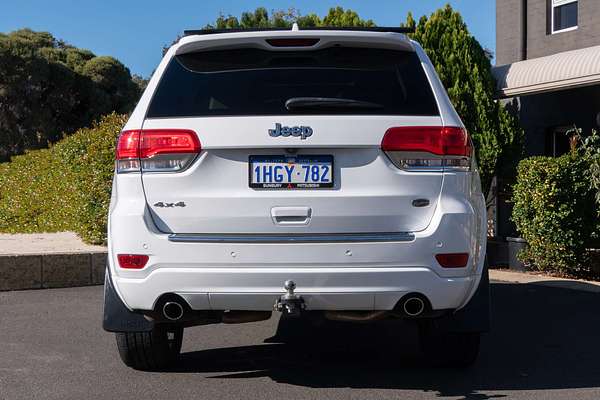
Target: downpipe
pixel 356 316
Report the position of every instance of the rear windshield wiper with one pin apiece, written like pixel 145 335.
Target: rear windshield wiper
pixel 303 103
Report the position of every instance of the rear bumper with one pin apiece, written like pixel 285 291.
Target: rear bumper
pixel 254 288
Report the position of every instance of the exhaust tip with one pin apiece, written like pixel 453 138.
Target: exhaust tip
pixel 172 311
pixel 413 306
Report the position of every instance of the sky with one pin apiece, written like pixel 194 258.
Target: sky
pixel 136 31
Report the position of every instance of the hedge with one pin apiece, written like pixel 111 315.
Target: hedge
pixel 63 188
pixel 555 212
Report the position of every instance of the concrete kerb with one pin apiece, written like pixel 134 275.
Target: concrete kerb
pixel 544 280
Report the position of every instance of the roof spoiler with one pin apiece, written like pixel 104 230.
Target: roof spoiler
pixel 393 29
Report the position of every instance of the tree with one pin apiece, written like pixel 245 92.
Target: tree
pixel 49 88
pixel 140 81
pixel 465 70
pixel 261 18
pixel 114 82
pixel 340 18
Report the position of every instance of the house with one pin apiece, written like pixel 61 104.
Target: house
pixel 548 68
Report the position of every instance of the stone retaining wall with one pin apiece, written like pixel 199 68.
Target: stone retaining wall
pixel 41 271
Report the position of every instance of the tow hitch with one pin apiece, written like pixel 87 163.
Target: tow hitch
pixel 290 304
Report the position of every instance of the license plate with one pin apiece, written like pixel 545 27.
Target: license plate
pixel 291 172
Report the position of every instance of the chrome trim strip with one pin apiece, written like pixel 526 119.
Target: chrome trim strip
pixel 297 238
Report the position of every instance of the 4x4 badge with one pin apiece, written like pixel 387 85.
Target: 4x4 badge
pixel 169 205
pixel 302 131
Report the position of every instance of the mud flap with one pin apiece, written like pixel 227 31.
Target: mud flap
pixel 475 316
pixel 117 317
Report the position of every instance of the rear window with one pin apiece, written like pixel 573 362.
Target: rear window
pixel 259 82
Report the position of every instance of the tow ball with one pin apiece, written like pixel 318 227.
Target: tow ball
pixel 290 303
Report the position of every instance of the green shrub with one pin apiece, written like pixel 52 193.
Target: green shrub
pixel 555 212
pixel 590 145
pixel 63 188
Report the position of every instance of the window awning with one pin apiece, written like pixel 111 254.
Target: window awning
pixel 559 71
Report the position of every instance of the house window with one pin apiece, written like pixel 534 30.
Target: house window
pixel 558 141
pixel 564 15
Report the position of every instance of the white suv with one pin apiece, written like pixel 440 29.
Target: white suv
pixel 319 172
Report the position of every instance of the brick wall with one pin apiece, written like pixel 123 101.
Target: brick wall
pixel 540 42
pixel 508 31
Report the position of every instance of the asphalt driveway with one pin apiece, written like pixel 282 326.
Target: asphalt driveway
pixel 545 344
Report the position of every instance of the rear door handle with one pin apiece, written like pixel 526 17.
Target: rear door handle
pixel 291 215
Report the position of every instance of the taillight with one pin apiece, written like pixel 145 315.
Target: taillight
pixel 128 152
pixel 452 260
pixel 428 147
pixel 156 150
pixel 132 261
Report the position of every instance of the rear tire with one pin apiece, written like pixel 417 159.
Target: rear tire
pixel 150 351
pixel 449 349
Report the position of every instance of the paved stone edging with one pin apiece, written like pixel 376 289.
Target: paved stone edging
pixel 56 270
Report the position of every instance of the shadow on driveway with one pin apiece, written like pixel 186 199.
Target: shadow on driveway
pixel 542 338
